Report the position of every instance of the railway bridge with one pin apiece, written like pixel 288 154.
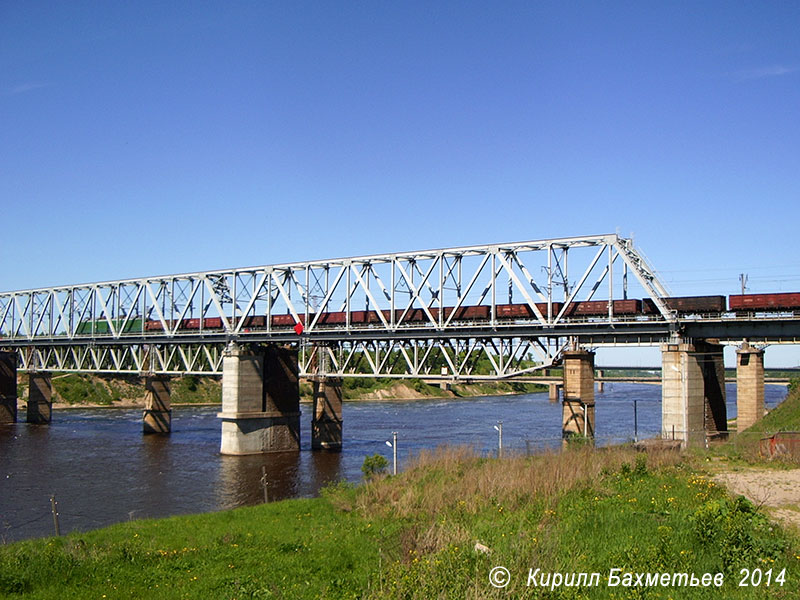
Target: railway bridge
pixel 492 312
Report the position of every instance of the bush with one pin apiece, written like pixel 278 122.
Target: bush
pixel 374 465
pixel 736 532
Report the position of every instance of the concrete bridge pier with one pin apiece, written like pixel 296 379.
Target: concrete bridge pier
pixel 40 398
pixel 693 391
pixel 749 386
pixel 578 403
pixel 157 417
pixel 8 387
pixel 326 422
pixel 553 391
pixel 601 385
pixel 260 400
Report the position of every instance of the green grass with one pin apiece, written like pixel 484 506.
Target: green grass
pixel 84 389
pixel 191 389
pixel 78 389
pixel 785 416
pixel 745 445
pixel 413 536
pixel 292 549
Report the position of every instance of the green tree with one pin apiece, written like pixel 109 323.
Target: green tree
pixel 374 465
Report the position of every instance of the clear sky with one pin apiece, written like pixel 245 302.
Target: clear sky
pixel 148 138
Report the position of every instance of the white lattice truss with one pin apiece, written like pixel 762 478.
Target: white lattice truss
pixel 182 323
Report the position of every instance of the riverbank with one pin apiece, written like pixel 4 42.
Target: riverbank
pixel 438 530
pixel 127 391
pixel 581 511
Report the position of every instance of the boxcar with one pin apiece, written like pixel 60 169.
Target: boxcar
pixel 513 311
pixel 257 321
pixel 473 313
pixel 599 308
pixel 524 311
pixel 282 320
pixel 687 304
pixel 154 325
pixel 358 317
pixel 749 302
pixel 414 314
pixel 332 318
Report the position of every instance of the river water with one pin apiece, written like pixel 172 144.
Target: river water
pixel 102 470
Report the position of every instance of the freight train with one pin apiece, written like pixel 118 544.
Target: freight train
pixel 682 305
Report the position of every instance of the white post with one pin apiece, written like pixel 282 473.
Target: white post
pixel 394 453
pixel 499 428
pixel 585 420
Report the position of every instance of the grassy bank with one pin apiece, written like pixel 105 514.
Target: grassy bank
pixel 415 535
pixel 369 388
pixel 785 416
pixel 746 445
pixel 106 390
pixel 126 390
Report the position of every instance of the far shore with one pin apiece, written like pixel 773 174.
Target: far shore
pixel 139 403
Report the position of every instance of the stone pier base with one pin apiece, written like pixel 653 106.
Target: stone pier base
pixel 8 387
pixel 749 386
pixel 693 392
pixel 260 400
pixel 157 417
pixel 326 423
pixel 553 393
pixel 40 398
pixel 578 402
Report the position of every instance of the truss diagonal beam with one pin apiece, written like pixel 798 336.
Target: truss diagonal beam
pixel 417 292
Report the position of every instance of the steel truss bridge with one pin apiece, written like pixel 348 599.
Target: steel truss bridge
pixel 181 324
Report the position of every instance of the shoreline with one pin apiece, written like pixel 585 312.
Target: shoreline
pixel 377 398
pixel 380 396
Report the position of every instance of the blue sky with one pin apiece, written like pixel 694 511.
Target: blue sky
pixel 150 138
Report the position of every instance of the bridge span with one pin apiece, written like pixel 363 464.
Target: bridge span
pixel 491 312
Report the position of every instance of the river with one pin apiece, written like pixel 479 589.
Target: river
pixel 102 470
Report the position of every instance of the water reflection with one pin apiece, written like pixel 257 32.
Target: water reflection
pixel 103 470
pixel 288 475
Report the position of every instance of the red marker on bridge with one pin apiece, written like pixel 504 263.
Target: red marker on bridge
pixel 298 329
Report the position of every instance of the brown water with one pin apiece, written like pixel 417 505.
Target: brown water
pixel 102 470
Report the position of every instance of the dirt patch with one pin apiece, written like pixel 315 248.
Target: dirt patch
pixel 399 391
pixel 124 403
pixel 777 491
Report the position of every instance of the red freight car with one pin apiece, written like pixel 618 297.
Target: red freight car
pixel 184 324
pixel 697 304
pixel 524 311
pixel 472 313
pixel 358 317
pixel 599 308
pixel 513 311
pixel 413 315
pixel 687 304
pixel 282 320
pixel 332 318
pixel 191 324
pixel 752 302
pixel 289 320
pixel 154 325
pixel 464 313
pixel 254 321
